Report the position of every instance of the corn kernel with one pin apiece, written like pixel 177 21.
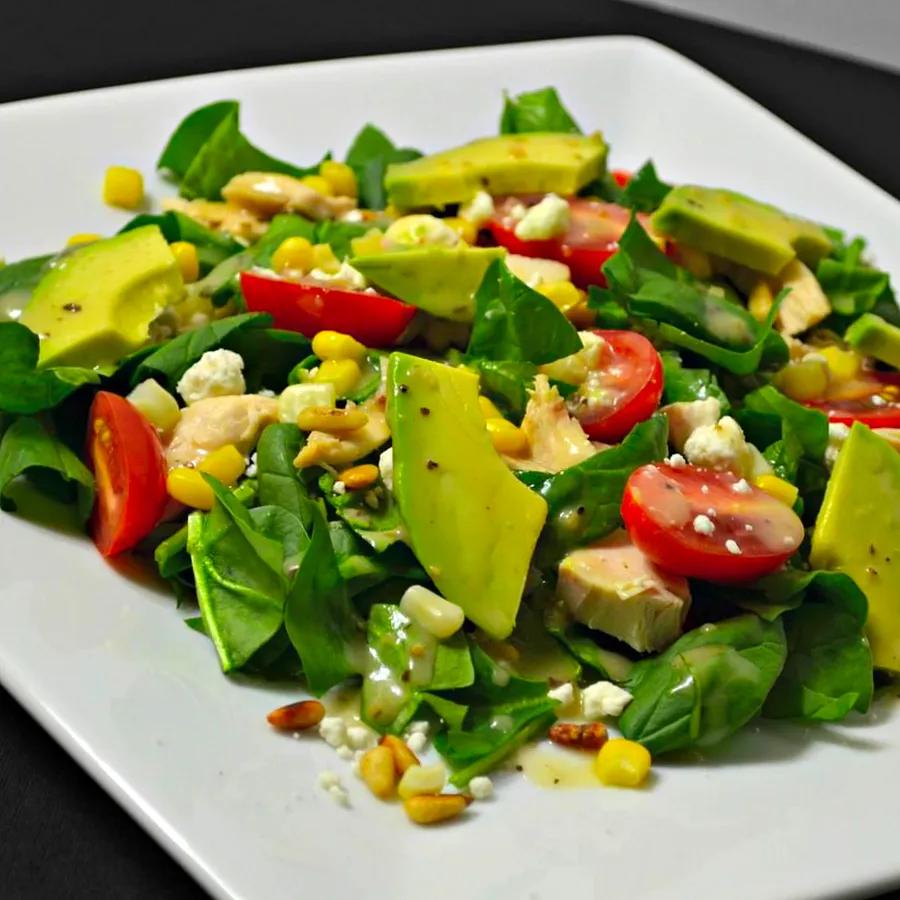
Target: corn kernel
pixel 344 374
pixel 86 237
pixel 760 300
pixel 186 256
pixel 778 488
pixel 297 397
pixel 188 487
pixel 226 464
pixel 622 763
pixel 467 230
pixel 436 615
pixel 356 478
pixel 323 258
pixel 506 437
pixel 293 253
pixel 331 421
pixel 488 409
pixel 156 405
pixel 695 261
pixel 123 187
pixel 843 365
pixel 369 243
pixel 806 379
pixel 318 183
pixel 334 345
pixel 420 780
pixel 563 294
pixel 340 176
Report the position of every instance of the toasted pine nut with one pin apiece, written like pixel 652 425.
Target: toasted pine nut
pixel 331 420
pixel 590 736
pixel 358 477
pixel 403 756
pixel 428 809
pixel 376 768
pixel 297 716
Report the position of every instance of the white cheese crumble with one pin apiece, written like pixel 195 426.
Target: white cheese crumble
pixel 346 753
pixel 345 276
pixel 360 738
pixel 603 698
pixel 721 446
pixel 481 788
pixel 544 220
pixel 732 547
pixel 218 373
pixel 704 488
pixel 333 730
pixel 339 488
pixel 422 727
pixel 837 434
pixel 676 461
pixel 331 783
pixel 252 465
pixel 686 416
pixel 704 525
pixel 386 468
pixel 479 209
pixel 742 487
pixel 565 693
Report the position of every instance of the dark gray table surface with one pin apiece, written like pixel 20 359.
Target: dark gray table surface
pixel 60 835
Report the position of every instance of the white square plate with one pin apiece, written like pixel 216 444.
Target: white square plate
pixel 104 663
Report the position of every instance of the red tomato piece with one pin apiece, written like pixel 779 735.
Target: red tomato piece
pixel 706 524
pixel 591 239
pixel 373 319
pixel 129 468
pixel 621 177
pixel 874 400
pixel 623 390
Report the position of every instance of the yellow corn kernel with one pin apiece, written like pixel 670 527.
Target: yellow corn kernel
pixel 86 237
pixel 760 300
pixel 581 315
pixel 186 256
pixel 323 258
pixel 805 379
pixel 563 294
pixel 843 365
pixel 622 763
pixel 420 780
pixel 188 487
pixel 227 464
pixel 293 253
pixel 436 615
pixel 340 176
pixel 506 437
pixel 467 230
pixel 356 478
pixel 779 488
pixel 696 262
pixel 334 345
pixel 123 187
pixel 369 243
pixel 488 410
pixel 344 374
pixel 318 183
pixel 331 420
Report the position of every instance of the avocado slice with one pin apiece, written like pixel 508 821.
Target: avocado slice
pixel 472 524
pixel 440 280
pixel 738 228
pixel 873 336
pixel 858 532
pixel 535 163
pixel 97 304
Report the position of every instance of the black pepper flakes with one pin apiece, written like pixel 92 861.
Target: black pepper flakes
pixel 431 465
pixel 871 570
pixel 425 411
pixel 581 510
pixel 72 307
pixel 402 388
pixel 872 549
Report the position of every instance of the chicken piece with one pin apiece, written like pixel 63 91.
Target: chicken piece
pixel 805 306
pixel 612 587
pixel 241 224
pixel 267 193
pixel 556 440
pixel 340 450
pixel 212 423
pixel 686 416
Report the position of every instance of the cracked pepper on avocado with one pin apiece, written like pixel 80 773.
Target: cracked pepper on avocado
pixel 518 445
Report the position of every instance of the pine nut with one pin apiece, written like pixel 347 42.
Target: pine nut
pixel 376 768
pixel 331 420
pixel 297 716
pixel 403 755
pixel 429 809
pixel 418 780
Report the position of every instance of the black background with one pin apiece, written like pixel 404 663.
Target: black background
pixel 60 835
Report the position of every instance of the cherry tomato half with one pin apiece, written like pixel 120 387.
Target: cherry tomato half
pixel 706 524
pixel 592 237
pixel 372 319
pixel 129 468
pixel 623 390
pixel 621 177
pixel 874 402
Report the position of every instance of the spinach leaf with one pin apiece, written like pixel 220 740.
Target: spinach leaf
pixel 27 448
pixel 279 482
pixel 25 389
pixel 583 501
pixel 338 235
pixel 372 513
pixel 239 578
pixel 171 360
pixel 506 382
pixel 212 246
pixel 706 686
pixel 540 110
pixel 684 385
pixel 581 642
pixel 191 134
pixel 514 322
pixel 396 676
pixel 24 275
pixel 269 354
pixel 645 191
pixel 369 156
pixel 319 616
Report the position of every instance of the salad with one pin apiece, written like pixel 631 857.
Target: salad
pixel 478 447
